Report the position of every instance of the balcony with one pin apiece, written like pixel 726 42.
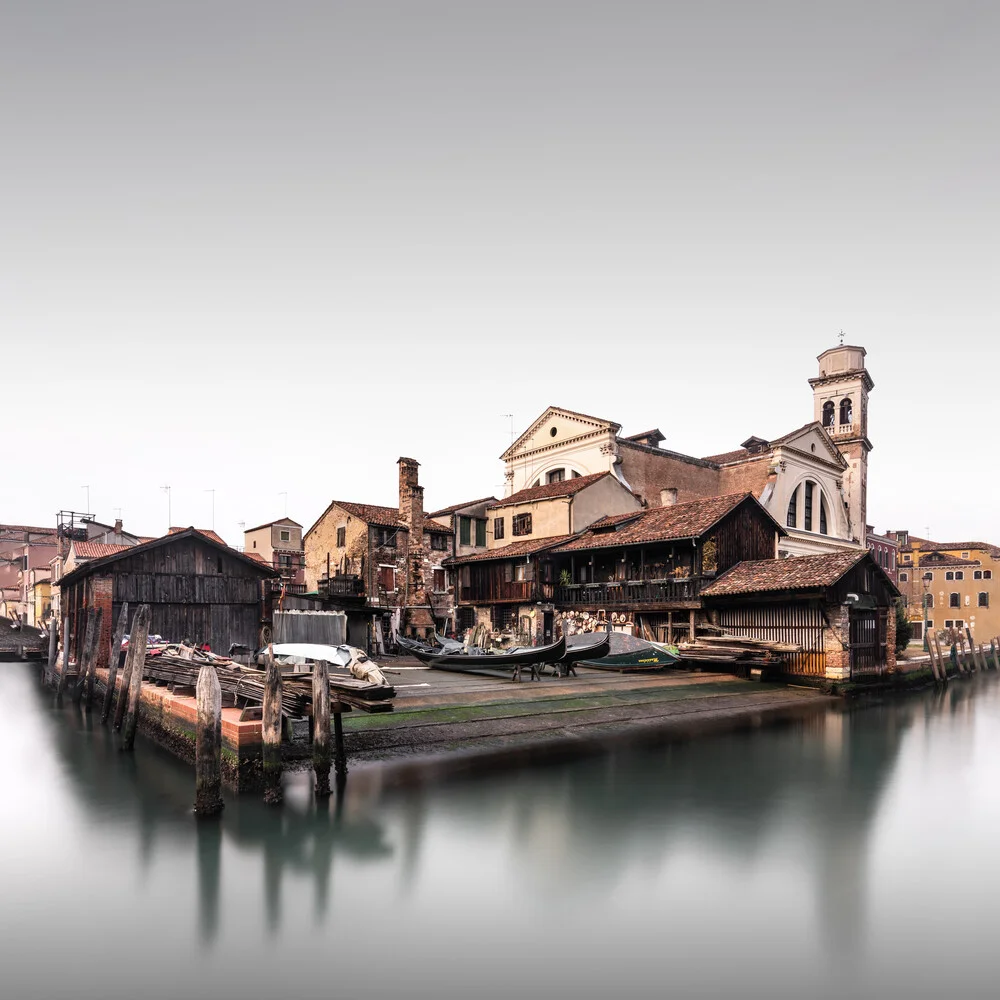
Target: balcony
pixel 490 591
pixel 341 586
pixel 630 593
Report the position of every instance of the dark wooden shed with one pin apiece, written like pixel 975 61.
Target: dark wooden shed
pixel 196 588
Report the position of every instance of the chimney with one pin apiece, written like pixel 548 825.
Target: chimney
pixel 411 499
pixel 118 525
pixel 668 496
pixel 417 616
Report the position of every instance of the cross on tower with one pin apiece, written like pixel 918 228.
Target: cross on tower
pixel 841 338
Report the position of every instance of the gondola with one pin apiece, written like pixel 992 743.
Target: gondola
pixel 494 661
pixel 629 654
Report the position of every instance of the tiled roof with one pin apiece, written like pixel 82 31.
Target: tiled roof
pixel 145 538
pixel 96 550
pixel 461 506
pixel 21 528
pixel 257 557
pixel 440 529
pixel 548 491
pixel 654 432
pixel 656 524
pixel 794 573
pixel 207 532
pixel 946 561
pixel 743 453
pixel 525 547
pixel 281 520
pixel 372 513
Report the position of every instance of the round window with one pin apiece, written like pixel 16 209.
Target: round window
pixel 552 432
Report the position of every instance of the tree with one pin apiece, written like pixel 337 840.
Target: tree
pixel 904 628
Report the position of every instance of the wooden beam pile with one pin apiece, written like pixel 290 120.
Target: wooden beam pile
pixel 721 647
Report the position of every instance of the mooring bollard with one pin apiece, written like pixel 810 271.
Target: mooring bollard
pixel 114 657
pixel 61 683
pixel 271 726
pixel 88 696
pixel 208 744
pixel 134 664
pixel 81 666
pixel 321 727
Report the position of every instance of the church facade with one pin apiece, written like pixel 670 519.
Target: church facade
pixel 812 480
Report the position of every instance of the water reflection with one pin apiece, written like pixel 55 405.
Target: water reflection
pixel 752 831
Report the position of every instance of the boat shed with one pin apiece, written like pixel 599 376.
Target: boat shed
pixel 838 607
pixel 196 586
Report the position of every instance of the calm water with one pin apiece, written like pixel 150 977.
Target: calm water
pixel 852 854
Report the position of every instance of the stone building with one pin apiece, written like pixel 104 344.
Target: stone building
pixel 956 583
pixel 393 556
pixel 812 480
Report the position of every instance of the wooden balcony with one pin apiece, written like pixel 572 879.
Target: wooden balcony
pixel 631 593
pixel 493 591
pixel 341 586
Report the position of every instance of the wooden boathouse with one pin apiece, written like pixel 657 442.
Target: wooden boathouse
pixel 197 588
pixel 838 607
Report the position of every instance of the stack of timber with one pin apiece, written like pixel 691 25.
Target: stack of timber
pixel 179 666
pixel 716 646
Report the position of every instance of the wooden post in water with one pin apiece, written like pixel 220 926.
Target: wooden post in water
pixel 81 663
pixel 940 656
pixel 973 649
pixel 61 685
pixel 993 654
pixel 321 727
pixel 122 700
pixel 933 658
pixel 208 744
pixel 134 664
pixel 91 676
pixel 340 759
pixel 116 655
pixel 50 664
pixel 272 730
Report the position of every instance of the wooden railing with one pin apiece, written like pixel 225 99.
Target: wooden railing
pixel 342 586
pixel 514 590
pixel 629 593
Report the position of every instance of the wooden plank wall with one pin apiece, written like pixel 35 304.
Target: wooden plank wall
pixel 800 623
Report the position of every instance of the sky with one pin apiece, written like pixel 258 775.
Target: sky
pixel 265 249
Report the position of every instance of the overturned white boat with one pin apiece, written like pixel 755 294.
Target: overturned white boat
pixel 350 658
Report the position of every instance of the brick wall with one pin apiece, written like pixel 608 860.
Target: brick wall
pixel 648 471
pixel 837 642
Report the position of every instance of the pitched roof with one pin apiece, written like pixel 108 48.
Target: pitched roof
pixel 549 491
pixel 26 527
pixel 794 573
pixel 175 535
pixel 945 560
pixel 741 454
pixel 207 532
pixel 280 520
pixel 654 433
pixel 256 557
pixel 660 524
pixel 371 513
pixel 460 506
pixel 525 547
pixel 526 435
pixel 97 550
pixel 440 529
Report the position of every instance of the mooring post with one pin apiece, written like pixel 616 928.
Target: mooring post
pixel 940 655
pixel 933 658
pixel 993 654
pixel 81 663
pixel 321 727
pixel 340 760
pixel 115 656
pixel 50 664
pixel 61 684
pixel 91 676
pixel 122 700
pixel 134 664
pixel 972 649
pixel 208 744
pixel 272 730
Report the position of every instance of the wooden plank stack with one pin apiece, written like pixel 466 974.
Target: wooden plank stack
pixel 716 646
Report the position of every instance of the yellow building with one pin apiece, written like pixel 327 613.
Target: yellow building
pixel 955 582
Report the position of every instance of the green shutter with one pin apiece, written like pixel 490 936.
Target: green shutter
pixel 481 533
pixel 464 530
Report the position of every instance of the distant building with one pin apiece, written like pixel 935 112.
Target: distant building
pixel 279 544
pixel 812 480
pixel 884 550
pixel 468 521
pixel 955 583
pixel 25 552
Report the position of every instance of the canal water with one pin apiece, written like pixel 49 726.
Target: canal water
pixel 851 853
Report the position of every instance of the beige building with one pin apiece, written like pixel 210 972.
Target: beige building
pixel 279 544
pixel 468 523
pixel 813 480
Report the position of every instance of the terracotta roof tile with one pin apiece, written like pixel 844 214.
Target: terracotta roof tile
pixel 526 547
pixel 257 557
pixel 280 520
pixel 97 550
pixel 794 573
pixel 439 529
pixel 945 560
pixel 548 491
pixel 372 513
pixel 207 532
pixel 656 524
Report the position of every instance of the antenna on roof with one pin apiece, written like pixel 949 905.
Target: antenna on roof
pixel 511 418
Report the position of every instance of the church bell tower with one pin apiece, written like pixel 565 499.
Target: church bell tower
pixel 840 401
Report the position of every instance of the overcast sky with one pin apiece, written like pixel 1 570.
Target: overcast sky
pixel 264 247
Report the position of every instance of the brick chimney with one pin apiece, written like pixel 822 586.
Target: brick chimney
pixel 417 615
pixel 668 496
pixel 118 525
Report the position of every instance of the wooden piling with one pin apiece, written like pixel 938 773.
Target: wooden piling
pixel 81 663
pixel 115 656
pixel 272 730
pixel 974 650
pixel 321 728
pixel 940 656
pixel 208 744
pixel 936 666
pixel 64 672
pixel 50 664
pixel 134 664
pixel 91 675
pixel 340 759
pixel 993 654
pixel 122 699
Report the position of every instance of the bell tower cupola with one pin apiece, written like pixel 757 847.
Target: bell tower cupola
pixel 840 404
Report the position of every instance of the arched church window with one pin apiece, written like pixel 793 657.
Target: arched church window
pixel 792 519
pixel 555 476
pixel 828 413
pixel 808 518
pixel 822 515
pixel 846 411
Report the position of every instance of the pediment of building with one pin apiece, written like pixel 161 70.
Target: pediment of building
pixel 812 440
pixel 557 426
